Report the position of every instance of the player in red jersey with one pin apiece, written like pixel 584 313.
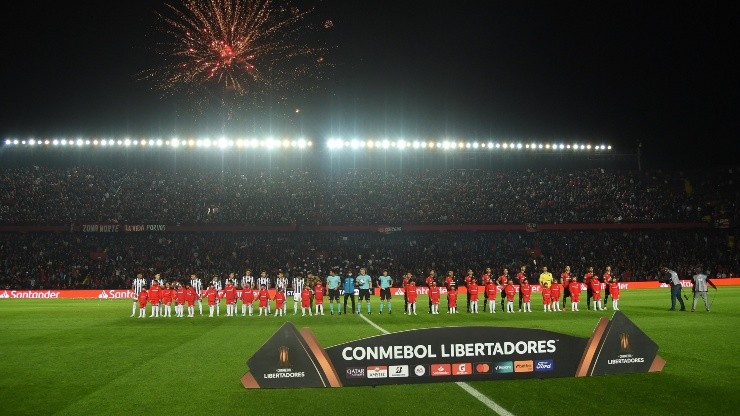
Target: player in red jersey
pixel 434 297
pixel 167 301
pixel 614 290
pixel 411 293
pixel 473 291
pixel 487 277
pixel 190 297
pixel 432 278
pixel 452 300
pixel 575 293
pixel 405 283
pixel 143 297
pixel 510 292
pixel 491 291
pixel 607 281
pixel 546 297
pixel 306 301
pixel 264 297
pixel 230 295
pixel 525 293
pixel 596 290
pixel 521 277
pixel 279 302
pixel 502 280
pixel 179 300
pixel 469 279
pixel 154 297
pixel 589 289
pixel 450 280
pixel 211 297
pixel 565 279
pixel 318 292
pixel 555 292
pixel 247 298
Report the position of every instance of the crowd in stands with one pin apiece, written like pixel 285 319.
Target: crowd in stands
pixel 62 196
pixel 97 261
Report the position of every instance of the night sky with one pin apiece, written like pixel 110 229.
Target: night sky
pixel 607 72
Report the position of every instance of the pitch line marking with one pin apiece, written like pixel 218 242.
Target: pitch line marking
pixel 465 386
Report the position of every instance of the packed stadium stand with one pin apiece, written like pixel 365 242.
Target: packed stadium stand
pixel 293 215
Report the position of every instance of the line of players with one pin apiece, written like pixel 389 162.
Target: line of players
pixel 309 293
pixel 553 290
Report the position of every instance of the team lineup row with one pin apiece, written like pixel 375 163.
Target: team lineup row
pixel 309 293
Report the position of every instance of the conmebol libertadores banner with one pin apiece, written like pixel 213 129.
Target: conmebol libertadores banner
pixel 293 358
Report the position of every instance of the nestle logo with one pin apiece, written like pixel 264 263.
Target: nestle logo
pixel 543 365
pixel 355 372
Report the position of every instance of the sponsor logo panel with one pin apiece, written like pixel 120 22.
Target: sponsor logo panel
pixel 544 365
pixel 355 372
pixel 526 366
pixel 378 371
pixel 441 370
pixel 503 367
pixel 398 371
pixel 462 369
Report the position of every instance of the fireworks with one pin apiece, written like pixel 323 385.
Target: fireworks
pixel 238 48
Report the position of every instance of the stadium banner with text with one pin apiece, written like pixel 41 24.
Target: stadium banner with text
pixel 396 291
pixel 95 294
pixel 294 359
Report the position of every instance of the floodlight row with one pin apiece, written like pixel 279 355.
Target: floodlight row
pixel 222 143
pixel 337 144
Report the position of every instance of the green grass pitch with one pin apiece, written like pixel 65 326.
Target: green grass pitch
pixel 90 357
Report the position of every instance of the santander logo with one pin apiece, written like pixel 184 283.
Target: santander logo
pixel 103 295
pixel 5 295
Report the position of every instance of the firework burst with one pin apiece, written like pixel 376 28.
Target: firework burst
pixel 239 48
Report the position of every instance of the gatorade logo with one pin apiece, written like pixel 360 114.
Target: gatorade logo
pixel 462 369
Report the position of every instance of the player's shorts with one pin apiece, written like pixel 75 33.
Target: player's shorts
pixel 333 294
pixel 385 294
pixel 297 296
pixel 364 294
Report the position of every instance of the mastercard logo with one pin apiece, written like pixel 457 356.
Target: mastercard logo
pixel 483 368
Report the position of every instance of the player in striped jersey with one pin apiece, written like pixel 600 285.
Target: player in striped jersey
pixel 218 286
pixel 281 282
pixel 247 279
pixel 136 287
pixel 264 280
pixel 197 285
pixel 297 285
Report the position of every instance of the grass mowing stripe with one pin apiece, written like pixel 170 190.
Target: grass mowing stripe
pixel 465 386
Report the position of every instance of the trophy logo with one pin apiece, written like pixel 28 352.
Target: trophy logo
pixel 624 342
pixel 283 357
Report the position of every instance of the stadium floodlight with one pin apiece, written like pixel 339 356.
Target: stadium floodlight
pixel 385 144
pixel 32 142
pixel 583 147
pixel 175 142
pixel 401 144
pixel 608 148
pixel 475 145
pixel 588 146
pixel 519 146
pixel 8 142
pixel 63 142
